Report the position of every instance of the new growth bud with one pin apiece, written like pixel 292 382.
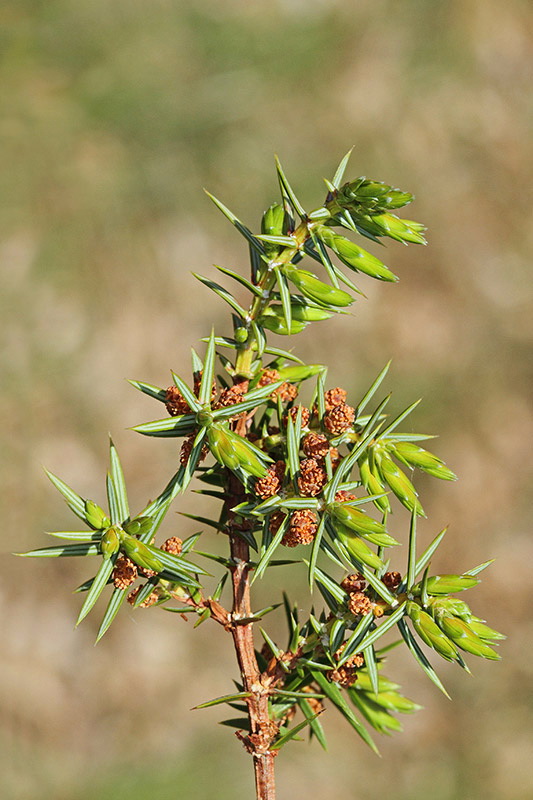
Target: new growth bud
pixel 233 451
pixel 95 516
pixel 322 293
pixel 110 542
pixel 141 554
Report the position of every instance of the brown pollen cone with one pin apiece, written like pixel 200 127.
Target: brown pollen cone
pixel 353 583
pixel 232 395
pixel 149 601
pixel 339 419
pixel 344 676
pixel 359 604
pixel 314 703
pixel 312 477
pixel 146 573
pixel 305 415
pixel 315 445
pixel 345 497
pixel 175 402
pixel 197 380
pixel 268 376
pixel 302 529
pixel 335 397
pixel 276 521
pixel 186 449
pixel 272 482
pixel 355 661
pixel 392 580
pixel 335 458
pixel 172 545
pixel 286 392
pixel 124 572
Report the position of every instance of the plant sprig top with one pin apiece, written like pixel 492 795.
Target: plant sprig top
pixel 322 477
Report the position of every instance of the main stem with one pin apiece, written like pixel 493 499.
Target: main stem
pixel 258 742
pixel 262 730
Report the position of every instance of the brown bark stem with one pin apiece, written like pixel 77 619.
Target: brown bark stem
pixel 258 741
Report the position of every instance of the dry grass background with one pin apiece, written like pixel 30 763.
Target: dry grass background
pixel 113 116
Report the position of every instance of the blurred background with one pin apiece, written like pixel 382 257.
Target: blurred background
pixel 113 118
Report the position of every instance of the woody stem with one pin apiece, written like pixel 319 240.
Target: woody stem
pixel 258 741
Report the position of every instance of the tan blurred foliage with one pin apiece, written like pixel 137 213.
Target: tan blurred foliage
pixel 113 116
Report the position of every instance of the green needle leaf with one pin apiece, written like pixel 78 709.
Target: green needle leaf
pixel 208 372
pixel 476 570
pixel 117 598
pixel 319 252
pixel 98 585
pixel 75 502
pixel 189 396
pixel 411 564
pixel 77 536
pixel 372 667
pixel 151 391
pixel 419 656
pixel 385 626
pixel 373 389
pixel 285 241
pixel 114 509
pixel 292 733
pixel 119 484
pixel 399 419
pixel 330 585
pixel 355 639
pixel 145 592
pixel 339 174
pixel 239 278
pixel 168 427
pixel 273 647
pixel 314 723
pixel 285 297
pixel 311 573
pixel 335 695
pixel 293 448
pixel 427 555
pixel 287 191
pixel 243 230
pixel 227 698
pixel 296 694
pixel 63 550
pixel 251 400
pixel 269 552
pixel 223 293
pixel 276 351
pixel 345 467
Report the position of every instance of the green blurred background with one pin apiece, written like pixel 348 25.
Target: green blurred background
pixel 114 115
